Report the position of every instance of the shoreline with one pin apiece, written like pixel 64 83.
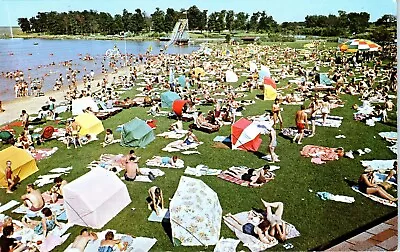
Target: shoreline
pixel 32 104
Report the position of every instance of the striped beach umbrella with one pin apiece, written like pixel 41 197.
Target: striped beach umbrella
pixel 355 45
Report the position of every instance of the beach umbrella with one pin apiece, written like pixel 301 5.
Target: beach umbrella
pixel 355 45
pixel 199 70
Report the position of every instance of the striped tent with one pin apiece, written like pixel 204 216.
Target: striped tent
pixel 355 45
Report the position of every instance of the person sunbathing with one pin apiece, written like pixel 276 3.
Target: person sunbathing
pixel 190 138
pixel 366 184
pixel 202 122
pixel 277 228
pixel 8 222
pixel 249 175
pixel 82 240
pixel 260 231
pixel 392 173
pixel 169 160
pixel 33 199
pixel 132 169
pixel 107 245
pixel 43 227
pixel 56 192
pixel 9 244
pixel 155 200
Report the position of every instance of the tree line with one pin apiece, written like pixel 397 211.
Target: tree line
pixel 137 22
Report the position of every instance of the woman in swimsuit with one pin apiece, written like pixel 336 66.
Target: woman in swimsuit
pixel 277 228
pixel 276 110
pixel 107 245
pixel 260 231
pixel 48 223
pixel 367 185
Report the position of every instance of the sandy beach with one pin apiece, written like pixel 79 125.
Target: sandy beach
pixel 32 105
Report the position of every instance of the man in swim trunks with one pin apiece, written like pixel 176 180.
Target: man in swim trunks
pixel 132 169
pixel 33 199
pixel 301 122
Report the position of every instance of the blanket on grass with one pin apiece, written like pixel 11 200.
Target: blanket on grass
pixel 144 177
pixel 389 136
pixel 156 161
pixel 176 134
pixel 9 205
pixel 323 153
pixel 107 161
pixel 201 170
pixel 331 121
pixel 164 214
pixel 375 198
pixel 252 242
pixel 49 178
pixel 377 165
pixel 135 244
pixel 179 145
pixel 227 177
pixel 291 132
pixel 40 154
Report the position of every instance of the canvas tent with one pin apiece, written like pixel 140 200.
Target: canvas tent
pixel 245 135
pixel 195 214
pixel 178 105
pixel 269 93
pixel 136 133
pixel 167 98
pixel 324 79
pixel 23 164
pixel 89 123
pixel 81 104
pixel 95 198
pixel 231 76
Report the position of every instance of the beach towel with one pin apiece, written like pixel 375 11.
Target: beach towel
pixel 47 179
pixel 331 121
pixel 108 162
pixel 179 145
pixel 52 241
pixel 325 153
pixel 226 245
pixel 375 198
pixel 232 179
pixel 339 198
pixel 156 161
pixel 380 177
pixel 173 134
pixel 40 154
pixel 201 170
pixel 190 152
pixel 378 164
pixel 60 170
pixel 144 177
pixel 9 205
pixel 253 243
pixel 223 139
pixel 389 136
pixel 164 214
pixel 136 244
pixel 56 236
pixel 291 132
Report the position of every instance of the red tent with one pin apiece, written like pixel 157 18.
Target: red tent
pixel 178 105
pixel 245 135
pixel 269 81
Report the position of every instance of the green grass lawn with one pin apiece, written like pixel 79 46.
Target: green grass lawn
pixel 318 221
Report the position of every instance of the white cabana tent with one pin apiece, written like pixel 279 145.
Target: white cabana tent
pixel 195 214
pixel 95 198
pixel 81 104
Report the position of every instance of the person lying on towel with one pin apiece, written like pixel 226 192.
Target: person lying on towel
pixel 155 199
pixel 33 199
pixel 167 160
pixel 202 122
pixel 132 169
pixel 107 245
pixel 255 178
pixel 82 240
pixel 260 231
pixel 277 228
pixel 366 184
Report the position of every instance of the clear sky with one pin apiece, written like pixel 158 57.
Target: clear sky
pixel 281 10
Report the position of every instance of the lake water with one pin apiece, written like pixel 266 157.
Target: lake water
pixel 34 56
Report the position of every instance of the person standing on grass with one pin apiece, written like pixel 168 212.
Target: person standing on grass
pixel 276 110
pixel 313 112
pixel 301 122
pixel 9 177
pixel 24 118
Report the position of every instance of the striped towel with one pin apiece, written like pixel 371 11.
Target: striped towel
pixel 234 180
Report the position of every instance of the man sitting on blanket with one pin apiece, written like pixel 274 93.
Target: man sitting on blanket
pixel 82 240
pixel 56 191
pixel 33 199
pixel 132 169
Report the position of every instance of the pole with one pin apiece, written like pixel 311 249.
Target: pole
pixel 126 57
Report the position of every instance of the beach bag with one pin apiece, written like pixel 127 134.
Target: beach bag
pixel 151 176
